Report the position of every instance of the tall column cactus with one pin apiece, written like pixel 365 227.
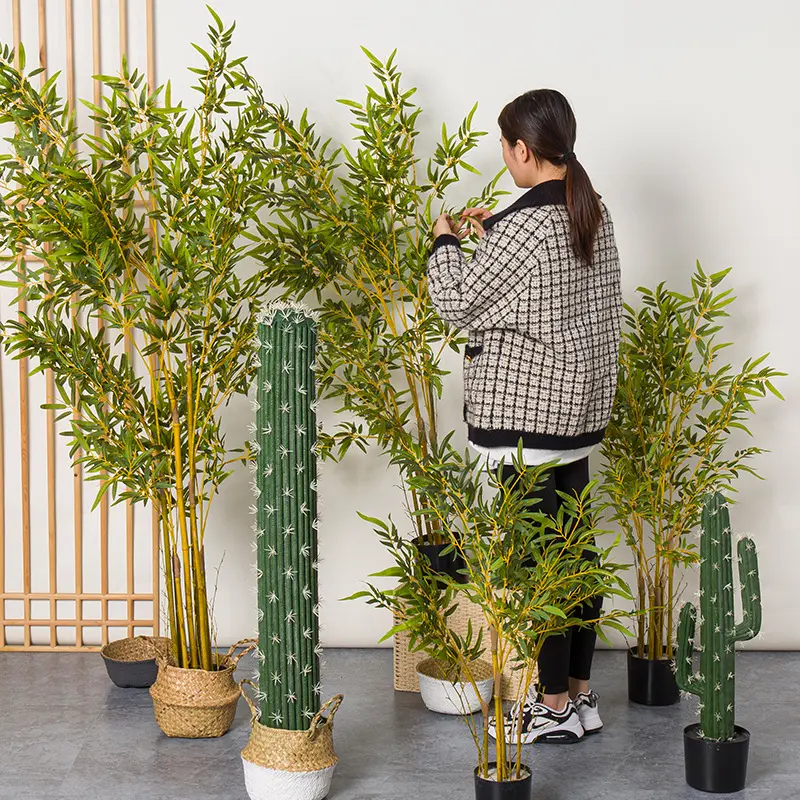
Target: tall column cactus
pixel 286 518
pixel 714 683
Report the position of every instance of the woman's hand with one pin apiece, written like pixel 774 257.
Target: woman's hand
pixel 475 218
pixel 445 225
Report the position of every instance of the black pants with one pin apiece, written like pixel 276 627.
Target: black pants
pixel 569 655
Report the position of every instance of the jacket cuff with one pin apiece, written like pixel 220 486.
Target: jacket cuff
pixel 444 240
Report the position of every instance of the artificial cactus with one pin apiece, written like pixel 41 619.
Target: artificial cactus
pixel 286 518
pixel 714 683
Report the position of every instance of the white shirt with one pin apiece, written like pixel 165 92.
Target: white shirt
pixel 531 457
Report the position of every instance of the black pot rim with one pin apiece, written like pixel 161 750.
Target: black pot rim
pixel 494 764
pixel 632 654
pixel 693 732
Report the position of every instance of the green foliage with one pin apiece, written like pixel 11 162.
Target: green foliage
pixel 714 683
pixel 527 572
pixel 352 225
pixel 286 518
pixel 677 405
pixel 137 306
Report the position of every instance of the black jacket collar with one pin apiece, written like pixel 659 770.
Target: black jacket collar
pixel 549 193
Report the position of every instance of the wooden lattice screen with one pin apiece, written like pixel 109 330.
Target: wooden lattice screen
pixel 70 579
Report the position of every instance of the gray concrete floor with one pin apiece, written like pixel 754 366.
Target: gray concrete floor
pixel 67 732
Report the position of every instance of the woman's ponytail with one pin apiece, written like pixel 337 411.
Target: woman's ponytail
pixel 583 207
pixel 544 120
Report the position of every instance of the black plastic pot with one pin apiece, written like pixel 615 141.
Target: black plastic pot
pixel 651 682
pixel 447 564
pixel 504 790
pixel 132 674
pixel 131 662
pixel 719 767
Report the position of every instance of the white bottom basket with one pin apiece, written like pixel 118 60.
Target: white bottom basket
pixel 444 697
pixel 264 783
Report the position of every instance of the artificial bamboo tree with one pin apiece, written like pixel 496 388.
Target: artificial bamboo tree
pixel 528 572
pixel 286 518
pixel 135 301
pixel 667 445
pixel 353 227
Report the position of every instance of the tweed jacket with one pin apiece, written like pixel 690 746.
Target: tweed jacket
pixel 540 365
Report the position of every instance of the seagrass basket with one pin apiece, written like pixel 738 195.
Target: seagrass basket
pixel 406 662
pixel 280 764
pixel 198 703
pixel 131 662
pixel 455 694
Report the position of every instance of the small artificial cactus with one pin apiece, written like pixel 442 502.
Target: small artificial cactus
pixel 286 518
pixel 714 683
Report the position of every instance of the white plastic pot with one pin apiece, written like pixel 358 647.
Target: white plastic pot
pixel 265 783
pixel 445 697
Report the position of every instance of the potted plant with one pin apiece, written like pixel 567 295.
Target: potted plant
pixel 352 229
pixel 290 751
pixel 677 404
pixel 527 571
pixel 137 307
pixel 716 749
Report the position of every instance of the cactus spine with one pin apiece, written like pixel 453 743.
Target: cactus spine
pixel 714 683
pixel 286 518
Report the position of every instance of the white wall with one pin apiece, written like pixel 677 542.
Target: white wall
pixel 689 120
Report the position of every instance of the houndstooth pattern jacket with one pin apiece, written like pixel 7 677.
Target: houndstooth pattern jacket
pixel 541 361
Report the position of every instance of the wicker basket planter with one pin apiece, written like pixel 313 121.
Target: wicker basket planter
pixel 198 703
pixel 447 697
pixel 280 764
pixel 131 663
pixel 406 662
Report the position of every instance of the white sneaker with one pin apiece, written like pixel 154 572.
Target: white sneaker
pixel 586 706
pixel 540 723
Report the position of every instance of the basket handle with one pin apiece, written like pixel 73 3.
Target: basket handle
pixel 253 707
pixel 332 706
pixel 161 658
pixel 231 660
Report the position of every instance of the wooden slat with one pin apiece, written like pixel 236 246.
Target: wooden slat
pixel 27 596
pixel 154 518
pixel 97 68
pixel 77 477
pixel 87 623
pixel 123 30
pixel 129 513
pixel 24 446
pixel 50 414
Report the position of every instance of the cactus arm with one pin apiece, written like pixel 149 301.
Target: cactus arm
pixel 688 680
pixel 751 592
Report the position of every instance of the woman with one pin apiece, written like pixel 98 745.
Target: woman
pixel 540 299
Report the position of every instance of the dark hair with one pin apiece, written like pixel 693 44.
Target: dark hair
pixel 543 119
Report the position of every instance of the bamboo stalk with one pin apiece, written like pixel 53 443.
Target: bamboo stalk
pixel 175 631
pixel 180 509
pixel 198 560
